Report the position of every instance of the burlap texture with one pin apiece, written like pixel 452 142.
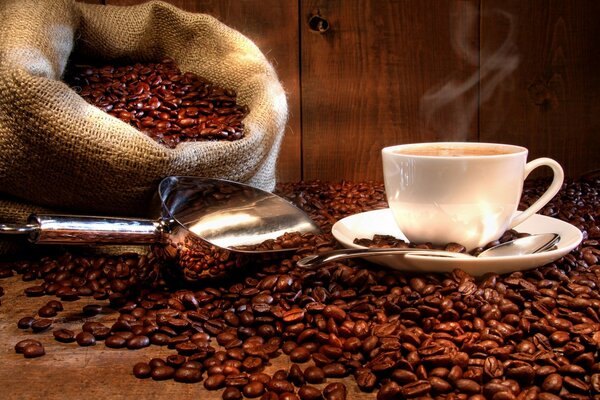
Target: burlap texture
pixel 57 151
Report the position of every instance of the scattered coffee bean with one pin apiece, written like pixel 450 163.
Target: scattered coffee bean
pixel 253 389
pixel 85 339
pixel 142 370
pixel 64 335
pixel 33 350
pixel 162 373
pixel 232 393
pixel 92 309
pixel 401 335
pixel 40 325
pixel 188 375
pixel 25 322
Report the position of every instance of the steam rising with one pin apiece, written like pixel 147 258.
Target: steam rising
pixel 450 109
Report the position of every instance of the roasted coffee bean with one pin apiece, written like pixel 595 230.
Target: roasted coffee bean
pixel 439 385
pixel 252 364
pixel 280 386
pixel 389 391
pixel 85 339
pixel 142 370
pixel 92 309
pixel 366 380
pixel 33 350
pixel 138 342
pixel 162 373
pixel 468 386
pixel 188 375
pixel 64 335
pixel 308 392
pixel 34 291
pixel 25 322
pixel 40 325
pixel 314 374
pixel 232 393
pixel 335 391
pixel 253 389
pixel 214 382
pixel 47 311
pixel 283 396
pixel 115 342
pixel 335 370
pixel 416 389
pixel 300 354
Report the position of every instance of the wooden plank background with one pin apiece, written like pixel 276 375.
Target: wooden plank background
pixel 399 71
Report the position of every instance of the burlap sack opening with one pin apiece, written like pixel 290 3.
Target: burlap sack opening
pixel 59 152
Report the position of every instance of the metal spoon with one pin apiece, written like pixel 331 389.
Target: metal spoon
pixel 522 246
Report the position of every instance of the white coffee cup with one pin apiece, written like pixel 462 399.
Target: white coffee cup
pixel 461 192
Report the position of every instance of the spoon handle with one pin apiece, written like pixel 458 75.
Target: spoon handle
pixel 316 260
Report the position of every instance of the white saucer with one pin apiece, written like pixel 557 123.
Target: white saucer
pixel 367 224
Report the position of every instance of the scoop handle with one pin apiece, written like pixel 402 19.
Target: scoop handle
pixel 70 229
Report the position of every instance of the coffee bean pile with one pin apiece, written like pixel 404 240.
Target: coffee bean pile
pixel 161 101
pixel 527 335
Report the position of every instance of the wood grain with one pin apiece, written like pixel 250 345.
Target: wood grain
pixel 272 25
pixel 69 371
pixel 364 80
pixel 550 103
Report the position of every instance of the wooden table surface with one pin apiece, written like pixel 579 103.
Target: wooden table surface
pixel 69 371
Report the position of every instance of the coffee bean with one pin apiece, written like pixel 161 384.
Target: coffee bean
pixel 283 396
pixel 25 322
pixel 415 389
pixel 138 342
pixel 34 291
pixel 64 335
pixel 20 346
pixel 47 311
pixel 335 370
pixel 40 325
pixel 314 375
pixel 299 355
pixel 188 375
pixel 115 342
pixel 85 339
pixel 366 380
pixel 232 393
pixel 162 373
pixel 389 391
pixel 214 382
pixel 335 391
pixel 92 309
pixel 439 385
pixel 280 385
pixel 33 350
pixel 142 370
pixel 308 392
pixel 253 389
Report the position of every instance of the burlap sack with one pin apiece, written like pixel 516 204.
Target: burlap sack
pixel 59 152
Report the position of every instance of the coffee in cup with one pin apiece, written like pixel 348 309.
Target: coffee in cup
pixel 462 192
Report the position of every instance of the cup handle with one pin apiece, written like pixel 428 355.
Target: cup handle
pixel 554 187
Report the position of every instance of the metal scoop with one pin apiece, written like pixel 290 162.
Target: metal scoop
pixel 517 247
pixel 205 225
